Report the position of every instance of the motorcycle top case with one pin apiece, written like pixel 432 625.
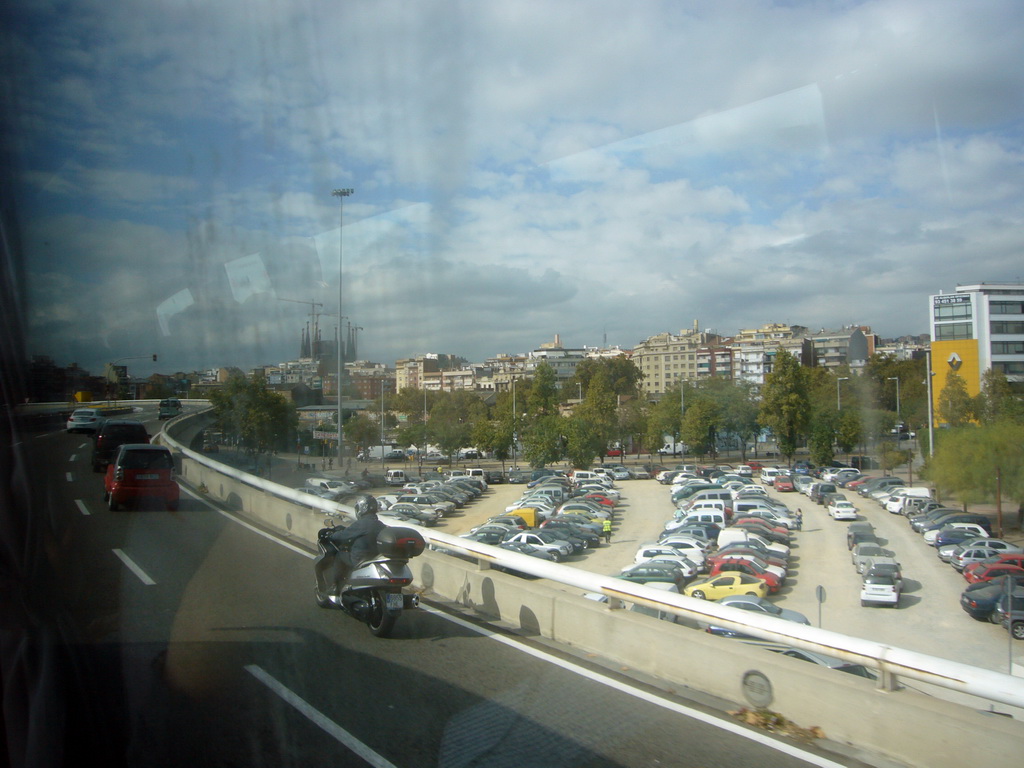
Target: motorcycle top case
pixel 400 542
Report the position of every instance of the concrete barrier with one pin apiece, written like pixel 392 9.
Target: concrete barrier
pixel 904 724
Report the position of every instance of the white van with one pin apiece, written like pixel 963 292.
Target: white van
pixel 768 475
pixel 896 502
pixel 396 477
pixel 704 516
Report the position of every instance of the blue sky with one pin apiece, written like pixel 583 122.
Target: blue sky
pixel 521 169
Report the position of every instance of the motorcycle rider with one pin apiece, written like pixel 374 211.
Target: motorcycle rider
pixel 357 542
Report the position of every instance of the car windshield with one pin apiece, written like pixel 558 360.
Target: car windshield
pixel 146 460
pixel 345 237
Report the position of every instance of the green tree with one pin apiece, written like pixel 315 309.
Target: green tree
pixel 361 431
pixel 822 439
pixel 260 418
pixel 593 423
pixel 785 404
pixel 849 430
pixel 955 406
pixel 997 401
pixel 542 433
pixel 700 424
pixel 972 462
pixel 737 410
pixel 663 418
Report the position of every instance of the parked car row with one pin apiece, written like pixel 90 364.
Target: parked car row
pixel 556 516
pixel 726 532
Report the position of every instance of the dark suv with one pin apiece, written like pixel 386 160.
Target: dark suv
pixel 112 434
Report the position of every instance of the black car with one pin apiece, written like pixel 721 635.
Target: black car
pixel 853 538
pixel 111 435
pixel 979 599
pixel 590 538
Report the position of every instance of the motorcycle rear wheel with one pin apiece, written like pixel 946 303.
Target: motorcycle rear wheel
pixel 380 621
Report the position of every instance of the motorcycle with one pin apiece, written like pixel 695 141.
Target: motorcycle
pixel 372 592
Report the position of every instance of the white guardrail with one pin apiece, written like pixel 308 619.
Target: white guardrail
pixel 890 662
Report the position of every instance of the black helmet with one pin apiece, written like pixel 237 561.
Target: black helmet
pixel 366 505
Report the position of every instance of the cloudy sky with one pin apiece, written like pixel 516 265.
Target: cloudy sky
pixel 602 170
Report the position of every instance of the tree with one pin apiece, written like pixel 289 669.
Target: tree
pixel 450 422
pixel 261 419
pixel 663 418
pixel 592 425
pixel 362 431
pixel 700 424
pixel 823 433
pixel 971 462
pixel 785 405
pixel 955 406
pixel 737 411
pixel 996 401
pixel 849 430
pixel 543 430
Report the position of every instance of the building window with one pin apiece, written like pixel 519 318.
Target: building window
pixel 953 331
pixel 1007 307
pixel 1008 348
pixel 1007 327
pixel 952 311
pixel 1009 368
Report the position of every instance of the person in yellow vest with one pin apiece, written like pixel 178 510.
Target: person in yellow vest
pixel 606 529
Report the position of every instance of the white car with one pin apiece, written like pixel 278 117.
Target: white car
pixel 840 509
pixel 84 420
pixel 972 528
pixel 654 551
pixel 880 590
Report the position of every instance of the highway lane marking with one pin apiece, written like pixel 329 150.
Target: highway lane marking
pixel 141 574
pixel 69 477
pixel 81 506
pixel 318 718
pixel 734 728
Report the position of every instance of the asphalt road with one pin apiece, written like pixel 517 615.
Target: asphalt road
pixel 155 638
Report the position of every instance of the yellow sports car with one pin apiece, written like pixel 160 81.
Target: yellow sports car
pixel 727 584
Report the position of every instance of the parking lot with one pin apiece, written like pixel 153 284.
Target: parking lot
pixel 928 618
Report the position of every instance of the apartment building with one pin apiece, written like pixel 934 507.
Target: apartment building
pixel 975 328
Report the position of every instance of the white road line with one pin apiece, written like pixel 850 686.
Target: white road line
pixel 695 714
pixel 318 718
pixel 69 477
pixel 73 457
pixel 141 574
pixel 81 506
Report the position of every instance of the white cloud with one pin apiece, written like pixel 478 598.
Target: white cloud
pixel 521 168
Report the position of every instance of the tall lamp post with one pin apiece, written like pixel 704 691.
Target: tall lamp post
pixel 839 399
pixel 931 417
pixel 341 194
pixel 899 418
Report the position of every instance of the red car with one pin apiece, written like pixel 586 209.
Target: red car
pixel 750 567
pixel 1015 559
pixel 768 557
pixel 140 471
pixel 987 572
pixel 784 483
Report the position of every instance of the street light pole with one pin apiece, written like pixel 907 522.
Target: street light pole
pixel 931 417
pixel 839 400
pixel 341 194
pixel 897 380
